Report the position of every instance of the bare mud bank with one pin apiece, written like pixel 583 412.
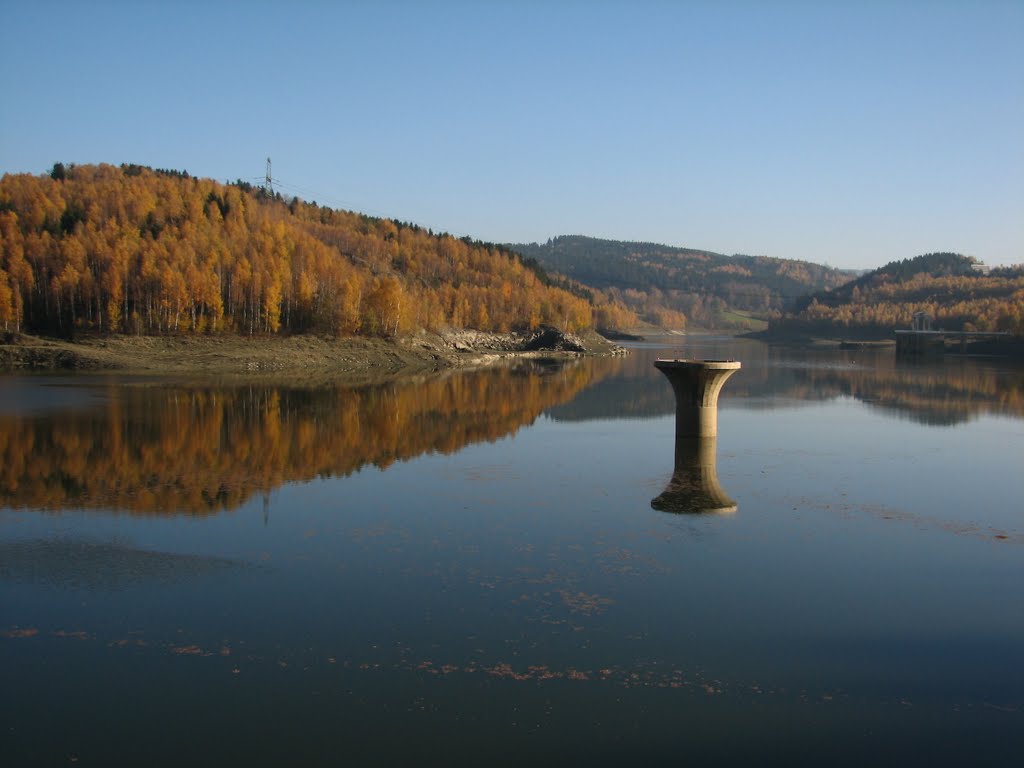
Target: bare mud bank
pixel 291 356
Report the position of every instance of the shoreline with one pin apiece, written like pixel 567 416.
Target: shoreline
pixel 1009 348
pixel 299 356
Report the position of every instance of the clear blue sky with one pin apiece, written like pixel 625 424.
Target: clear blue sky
pixel 850 133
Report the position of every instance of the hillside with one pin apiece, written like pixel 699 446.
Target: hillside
pixel 130 249
pixel 669 286
pixel 948 286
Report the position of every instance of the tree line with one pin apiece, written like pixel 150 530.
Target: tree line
pixel 671 286
pixel 130 249
pixel 949 287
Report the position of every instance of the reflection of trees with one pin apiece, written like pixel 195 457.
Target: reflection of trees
pixel 939 394
pixel 930 392
pixel 203 448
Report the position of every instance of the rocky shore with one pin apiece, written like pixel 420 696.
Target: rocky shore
pixel 303 355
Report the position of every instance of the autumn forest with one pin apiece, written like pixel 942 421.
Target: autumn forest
pixel 129 249
pixel 948 287
pixel 136 250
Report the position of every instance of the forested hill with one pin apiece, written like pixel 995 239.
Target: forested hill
pixel 135 250
pixel 661 281
pixel 955 290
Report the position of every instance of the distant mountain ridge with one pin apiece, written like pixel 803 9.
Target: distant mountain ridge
pixel 658 281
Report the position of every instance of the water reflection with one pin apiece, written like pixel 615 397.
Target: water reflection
pixel 158 449
pixel 524 588
pixel 694 487
pixel 155 449
pixel 938 392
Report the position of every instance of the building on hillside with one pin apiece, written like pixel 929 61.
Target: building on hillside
pixel 921 321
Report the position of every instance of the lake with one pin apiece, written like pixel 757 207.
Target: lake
pixel 514 564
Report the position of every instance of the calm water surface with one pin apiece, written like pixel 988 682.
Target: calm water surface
pixel 517 565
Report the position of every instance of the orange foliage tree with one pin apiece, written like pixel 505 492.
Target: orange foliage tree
pixel 134 250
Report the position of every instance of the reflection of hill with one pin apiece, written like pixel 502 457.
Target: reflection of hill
pixel 632 388
pixel 625 392
pixel 202 449
pixel 938 393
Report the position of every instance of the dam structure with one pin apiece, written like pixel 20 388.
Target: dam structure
pixel 697 384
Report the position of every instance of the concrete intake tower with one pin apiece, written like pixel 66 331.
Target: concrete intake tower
pixel 697 384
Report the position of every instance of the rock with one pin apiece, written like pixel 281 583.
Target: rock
pixel 552 339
